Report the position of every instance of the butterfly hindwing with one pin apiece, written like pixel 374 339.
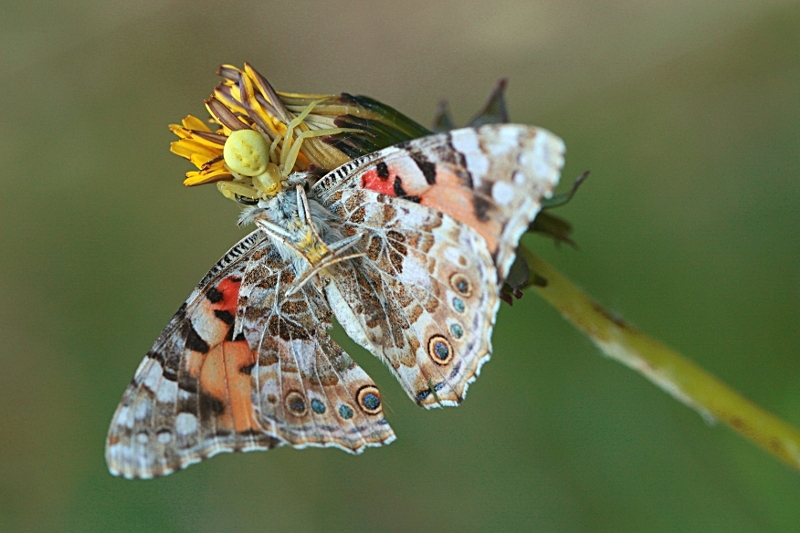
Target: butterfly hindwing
pixel 309 391
pixel 422 298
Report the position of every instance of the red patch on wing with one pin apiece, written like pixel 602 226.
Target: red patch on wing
pixel 372 181
pixel 229 287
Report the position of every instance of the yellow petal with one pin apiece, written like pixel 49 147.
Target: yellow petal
pixel 180 131
pixel 194 123
pixel 188 148
pixel 214 145
pixel 199 178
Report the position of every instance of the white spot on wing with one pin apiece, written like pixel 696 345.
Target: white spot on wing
pixel 167 391
pixel 153 376
pixel 546 156
pixel 124 417
pixel 502 193
pixel 142 409
pixel 185 424
pixel 510 134
pixel 466 142
pixel 507 139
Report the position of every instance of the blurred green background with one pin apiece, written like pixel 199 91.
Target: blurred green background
pixel 688 116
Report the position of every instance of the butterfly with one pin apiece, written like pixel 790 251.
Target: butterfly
pixel 406 247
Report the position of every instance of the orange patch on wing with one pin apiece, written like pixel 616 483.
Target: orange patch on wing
pixel 222 376
pixel 194 363
pixel 449 196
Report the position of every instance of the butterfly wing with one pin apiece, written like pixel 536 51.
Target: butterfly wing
pixel 188 399
pixel 307 389
pixel 491 178
pixel 423 297
pixel 197 392
pixel 443 216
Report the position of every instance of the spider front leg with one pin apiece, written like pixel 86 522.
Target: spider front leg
pixel 291 157
pixel 290 149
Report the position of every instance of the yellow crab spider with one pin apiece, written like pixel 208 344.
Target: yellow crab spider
pixel 250 158
pixel 247 154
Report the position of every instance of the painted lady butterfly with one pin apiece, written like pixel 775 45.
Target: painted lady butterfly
pixel 407 247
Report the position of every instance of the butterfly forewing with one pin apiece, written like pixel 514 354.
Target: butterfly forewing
pixel 491 178
pixel 182 404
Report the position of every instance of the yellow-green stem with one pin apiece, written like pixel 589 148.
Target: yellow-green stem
pixel 665 367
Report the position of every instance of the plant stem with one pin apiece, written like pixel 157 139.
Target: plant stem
pixel 665 367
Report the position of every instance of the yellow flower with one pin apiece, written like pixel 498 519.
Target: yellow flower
pixel 259 136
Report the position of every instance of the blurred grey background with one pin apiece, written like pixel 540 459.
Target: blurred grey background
pixel 687 114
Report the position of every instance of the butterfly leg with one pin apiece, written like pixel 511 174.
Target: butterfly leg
pixel 279 234
pixel 334 251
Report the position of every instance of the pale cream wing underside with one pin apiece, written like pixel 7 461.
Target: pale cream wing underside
pixel 423 297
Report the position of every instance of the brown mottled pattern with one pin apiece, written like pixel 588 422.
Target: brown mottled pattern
pixel 298 362
pixel 469 163
pixel 400 296
pixel 185 405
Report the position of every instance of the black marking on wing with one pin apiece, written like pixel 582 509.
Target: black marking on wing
pixel 214 295
pixel 457 161
pixel 427 167
pixel 401 193
pixel 194 341
pixel 167 370
pixel 481 206
pixel 383 170
pixel 210 406
pixel 225 316
pixel 188 383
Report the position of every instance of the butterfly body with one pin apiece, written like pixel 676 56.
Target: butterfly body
pixel 406 247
